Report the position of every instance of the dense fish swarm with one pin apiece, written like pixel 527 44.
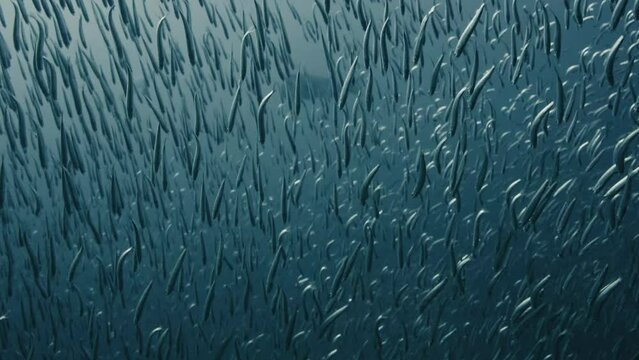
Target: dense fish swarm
pixel 293 179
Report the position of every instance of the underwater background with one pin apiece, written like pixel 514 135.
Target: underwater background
pixel 327 179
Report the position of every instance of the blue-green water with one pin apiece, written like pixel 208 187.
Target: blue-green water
pixel 356 179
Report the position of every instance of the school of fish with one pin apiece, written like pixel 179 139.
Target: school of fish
pixel 326 179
